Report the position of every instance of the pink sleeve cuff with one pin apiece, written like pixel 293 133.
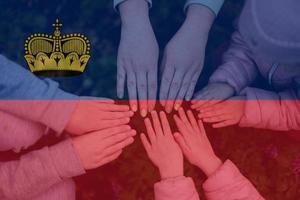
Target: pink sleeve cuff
pixel 66 160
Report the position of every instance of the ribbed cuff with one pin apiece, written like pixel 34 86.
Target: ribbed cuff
pixel 59 111
pixel 118 2
pixel 66 160
pixel 214 5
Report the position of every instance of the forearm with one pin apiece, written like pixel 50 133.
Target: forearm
pixel 37 171
pixel 134 13
pixel 199 18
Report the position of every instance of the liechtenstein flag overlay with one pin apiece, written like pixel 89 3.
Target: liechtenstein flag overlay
pixel 141 99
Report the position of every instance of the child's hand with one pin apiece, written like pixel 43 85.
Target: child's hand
pixel 101 147
pixel 224 114
pixel 161 147
pixel 195 144
pixel 91 115
pixel 212 94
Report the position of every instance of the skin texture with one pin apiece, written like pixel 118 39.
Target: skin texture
pixel 184 57
pixel 101 147
pixel 226 113
pixel 161 147
pixel 194 143
pixel 137 57
pixel 92 115
pixel 212 94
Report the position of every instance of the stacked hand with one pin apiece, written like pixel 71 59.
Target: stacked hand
pixel 166 153
pixel 161 147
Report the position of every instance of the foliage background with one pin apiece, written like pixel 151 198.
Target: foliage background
pixel 271 160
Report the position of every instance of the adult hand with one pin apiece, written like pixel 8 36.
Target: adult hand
pixel 161 147
pixel 194 143
pixel 224 114
pixel 184 57
pixel 101 147
pixel 94 114
pixel 137 57
pixel 212 94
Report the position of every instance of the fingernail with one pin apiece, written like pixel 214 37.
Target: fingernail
pixel 127 128
pixel 134 108
pixel 127 120
pixel 176 106
pixel 133 132
pixel 131 113
pixel 143 112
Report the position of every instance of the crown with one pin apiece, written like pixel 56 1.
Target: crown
pixel 57 54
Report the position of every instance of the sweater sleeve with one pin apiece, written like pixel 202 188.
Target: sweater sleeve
pixel 180 188
pixel 238 69
pixel 118 2
pixel 228 183
pixel 213 5
pixel 39 170
pixel 27 96
pixel 270 110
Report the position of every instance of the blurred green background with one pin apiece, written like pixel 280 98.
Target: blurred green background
pixel 271 160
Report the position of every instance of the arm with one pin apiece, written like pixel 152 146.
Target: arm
pixel 228 183
pixel 37 171
pixel 137 56
pixel 27 96
pixel 184 57
pixel 224 179
pixel 166 155
pixel 270 110
pixel 237 71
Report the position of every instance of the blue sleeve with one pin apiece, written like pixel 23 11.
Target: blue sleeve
pixel 118 2
pixel 214 5
pixel 25 95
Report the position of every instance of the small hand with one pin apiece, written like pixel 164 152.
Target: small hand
pixel 194 143
pixel 93 114
pixel 212 94
pixel 224 114
pixel 137 59
pixel 101 147
pixel 161 147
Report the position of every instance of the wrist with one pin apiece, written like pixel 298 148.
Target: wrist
pixel 171 173
pixel 134 12
pixel 200 17
pixel 211 165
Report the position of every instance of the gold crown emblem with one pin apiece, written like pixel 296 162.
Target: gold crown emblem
pixel 57 54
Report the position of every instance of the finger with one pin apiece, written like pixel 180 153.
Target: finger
pixel 174 89
pixel 131 84
pixel 156 123
pixel 200 99
pixel 109 158
pixel 145 143
pixel 112 107
pixel 165 84
pixel 183 90
pixel 119 146
pixel 181 142
pixel 114 139
pixel 116 115
pixel 150 130
pixel 192 86
pixel 102 134
pixel 224 123
pixel 212 113
pixel 152 89
pixel 96 99
pixel 142 92
pixel 165 124
pixel 121 76
pixel 211 102
pixel 193 121
pixel 108 123
pixel 185 120
pixel 201 127
pixel 181 126
pixel 215 119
